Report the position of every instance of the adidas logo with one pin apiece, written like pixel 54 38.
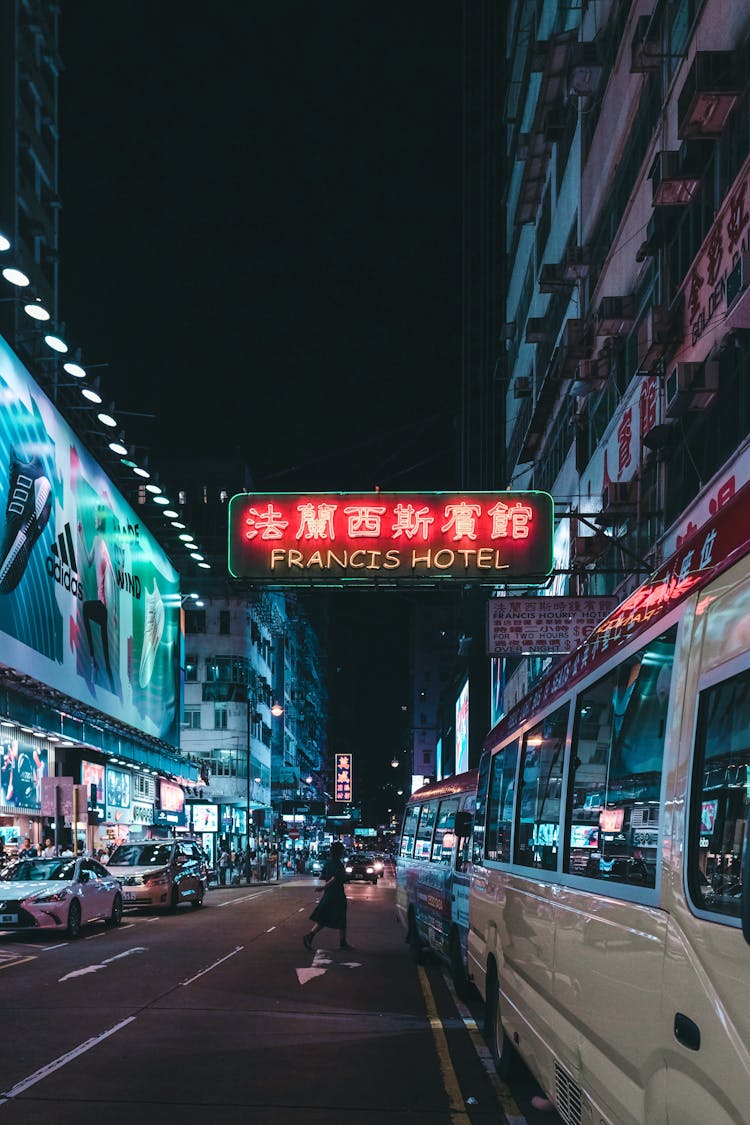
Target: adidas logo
pixel 63 567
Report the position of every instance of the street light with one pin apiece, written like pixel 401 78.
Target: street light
pixel 277 709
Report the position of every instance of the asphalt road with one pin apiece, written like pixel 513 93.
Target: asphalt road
pixel 220 1014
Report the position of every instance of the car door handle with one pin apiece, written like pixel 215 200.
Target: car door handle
pixel 687 1032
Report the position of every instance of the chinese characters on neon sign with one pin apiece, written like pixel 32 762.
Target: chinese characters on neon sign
pixel 391 537
pixel 343 764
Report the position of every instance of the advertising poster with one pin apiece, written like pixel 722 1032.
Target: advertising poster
pixel 87 601
pixel 205 818
pixel 462 729
pixel 118 795
pixel 92 774
pixel 22 768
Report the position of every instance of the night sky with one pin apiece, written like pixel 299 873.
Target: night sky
pixel 261 246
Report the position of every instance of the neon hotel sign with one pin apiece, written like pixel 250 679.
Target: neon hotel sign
pixel 390 538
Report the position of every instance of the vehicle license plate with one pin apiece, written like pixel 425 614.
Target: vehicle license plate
pixel 8 919
pixel 128 896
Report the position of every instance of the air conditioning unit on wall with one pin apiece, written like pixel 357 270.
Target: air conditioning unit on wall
pixel 655 335
pixel 691 386
pixel 615 316
pixel 709 94
pixel 619 498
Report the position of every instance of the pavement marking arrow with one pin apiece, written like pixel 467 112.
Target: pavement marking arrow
pixel 320 964
pixel 102 964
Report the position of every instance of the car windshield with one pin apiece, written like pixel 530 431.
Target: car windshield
pixel 40 870
pixel 141 855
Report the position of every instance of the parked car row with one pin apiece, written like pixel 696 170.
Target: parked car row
pixel 68 892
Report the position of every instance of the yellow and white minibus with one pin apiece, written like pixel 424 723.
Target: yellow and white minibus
pixel 433 870
pixel 609 914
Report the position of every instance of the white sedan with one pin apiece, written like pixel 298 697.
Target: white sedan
pixel 58 894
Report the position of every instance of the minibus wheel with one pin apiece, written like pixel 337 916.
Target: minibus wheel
pixel 503 1052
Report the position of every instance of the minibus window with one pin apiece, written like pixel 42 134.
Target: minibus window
pixel 719 808
pixel 424 830
pixel 442 847
pixel 481 810
pixel 500 803
pixel 409 831
pixel 539 792
pixel 616 769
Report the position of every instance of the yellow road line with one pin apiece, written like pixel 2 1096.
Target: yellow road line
pixel 450 1080
pixel 504 1096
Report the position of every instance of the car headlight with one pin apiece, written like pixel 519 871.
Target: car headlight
pixel 348 870
pixel 49 896
pixel 157 877
pixel 370 870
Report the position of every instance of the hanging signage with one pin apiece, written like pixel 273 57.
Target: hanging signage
pixel 172 804
pixel 390 538
pixel 543 626
pixel 343 766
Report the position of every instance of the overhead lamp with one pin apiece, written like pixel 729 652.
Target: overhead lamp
pixel 16 277
pixel 117 447
pixel 75 370
pixel 187 537
pixel 176 523
pixel 395 762
pixel 195 555
pixel 160 499
pixel 204 565
pixel 36 311
pixel 277 709
pixel 91 394
pixel 153 487
pixel 56 343
pixel 139 472
pixel 4 243
pixel 107 420
pixel 171 515
pixel 7 723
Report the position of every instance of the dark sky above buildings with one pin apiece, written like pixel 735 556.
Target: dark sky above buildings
pixel 260 234
pixel 261 247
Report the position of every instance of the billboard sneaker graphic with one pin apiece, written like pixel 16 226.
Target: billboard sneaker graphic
pixel 152 633
pixel 26 514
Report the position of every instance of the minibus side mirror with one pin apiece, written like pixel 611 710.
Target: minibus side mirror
pixel 463 825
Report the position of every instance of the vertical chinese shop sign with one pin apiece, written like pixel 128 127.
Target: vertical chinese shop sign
pixel 391 538
pixel 343 766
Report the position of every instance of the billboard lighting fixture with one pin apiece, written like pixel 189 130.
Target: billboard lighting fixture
pixel 36 311
pixel 171 515
pixel 4 243
pixel 107 420
pixel 91 394
pixel 195 555
pixel 56 344
pixel 75 370
pixel 139 472
pixel 118 447
pixel 176 523
pixel 204 565
pixel 16 277
pixel 160 499
pixel 186 536
pixel 153 488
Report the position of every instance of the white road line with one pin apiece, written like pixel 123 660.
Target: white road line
pixel 102 964
pixel 50 1068
pixel 203 972
pixel 49 948
pixel 92 936
pixel 231 901
pixel 270 929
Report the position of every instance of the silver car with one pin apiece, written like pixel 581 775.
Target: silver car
pixel 161 873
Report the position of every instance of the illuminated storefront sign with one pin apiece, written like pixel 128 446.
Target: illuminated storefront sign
pixel 205 818
pixel 462 729
pixel 143 813
pixel 172 804
pixel 119 796
pixel 343 765
pixel 390 538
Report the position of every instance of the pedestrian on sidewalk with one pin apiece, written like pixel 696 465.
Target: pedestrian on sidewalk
pixel 223 865
pixel 331 910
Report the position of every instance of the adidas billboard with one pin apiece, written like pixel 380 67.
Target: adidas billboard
pixel 61 563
